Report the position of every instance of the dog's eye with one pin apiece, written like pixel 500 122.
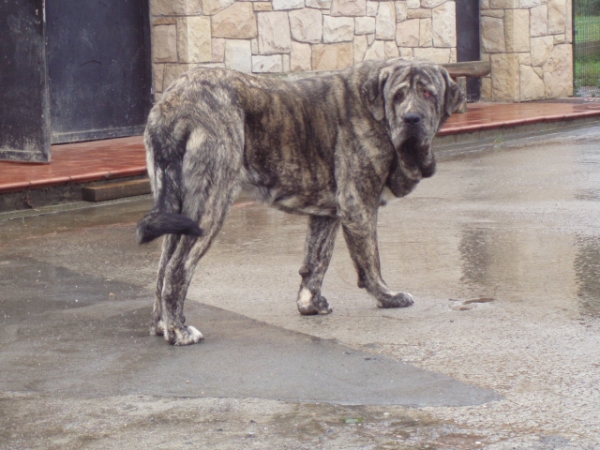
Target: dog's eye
pixel 399 97
pixel 426 93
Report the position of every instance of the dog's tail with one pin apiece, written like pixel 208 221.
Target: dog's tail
pixel 165 217
pixel 157 223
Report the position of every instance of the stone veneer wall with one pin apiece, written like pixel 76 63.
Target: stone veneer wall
pixel 295 35
pixel 529 44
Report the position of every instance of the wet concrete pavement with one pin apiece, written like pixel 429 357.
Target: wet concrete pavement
pixel 501 250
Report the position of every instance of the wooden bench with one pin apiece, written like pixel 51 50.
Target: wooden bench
pixel 460 71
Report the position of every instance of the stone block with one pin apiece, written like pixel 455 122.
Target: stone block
pixel 364 25
pixel 505 77
pixel 319 4
pixel 279 5
pixel 444 25
pixel 524 59
pixel 557 16
pixel 498 13
pixel 516 28
pixel 486 89
pixel 569 23
pixel 176 7
pixel 300 57
pixel 332 56
pixel 338 29
pixel 376 51
pixel 526 4
pixel 561 39
pixel 413 4
pixel 438 55
pixel 558 72
pixel 407 33
pixel 267 64
pixel 425 33
pixel 432 3
pixel 262 6
pixel 372 8
pixel 390 50
pixel 385 27
pixel 504 4
pixel 401 11
pixel 194 39
pixel 370 38
pixel 306 25
pixel 164 43
pixel 532 86
pixel 492 36
pixel 349 7
pixel 158 71
pixel 419 13
pixel 539 21
pixel 406 52
pixel 274 32
pixel 173 71
pixel 541 47
pixel 164 21
pixel 285 58
pixel 238 55
pixel 360 48
pixel 210 7
pixel 236 22
pixel 218 50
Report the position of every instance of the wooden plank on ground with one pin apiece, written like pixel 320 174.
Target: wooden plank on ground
pixel 116 190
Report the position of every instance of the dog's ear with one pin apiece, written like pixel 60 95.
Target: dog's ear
pixel 454 96
pixel 372 92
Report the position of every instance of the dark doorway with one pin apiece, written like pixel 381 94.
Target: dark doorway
pixel 468 41
pixel 24 116
pixel 99 68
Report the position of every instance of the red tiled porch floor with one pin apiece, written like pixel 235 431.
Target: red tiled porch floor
pixel 125 157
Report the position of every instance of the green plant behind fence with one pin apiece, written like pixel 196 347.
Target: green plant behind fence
pixel 587 46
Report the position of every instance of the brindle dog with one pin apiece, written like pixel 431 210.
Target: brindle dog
pixel 332 147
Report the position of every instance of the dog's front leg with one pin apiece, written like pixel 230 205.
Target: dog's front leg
pixel 361 237
pixel 319 248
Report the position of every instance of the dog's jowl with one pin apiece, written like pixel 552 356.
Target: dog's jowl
pixel 332 147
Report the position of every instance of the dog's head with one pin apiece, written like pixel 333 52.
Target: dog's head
pixel 413 99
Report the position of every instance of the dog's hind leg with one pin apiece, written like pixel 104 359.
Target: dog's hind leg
pixel 180 269
pixel 319 248
pixel 168 247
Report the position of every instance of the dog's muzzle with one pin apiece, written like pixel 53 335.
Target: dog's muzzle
pixel 415 148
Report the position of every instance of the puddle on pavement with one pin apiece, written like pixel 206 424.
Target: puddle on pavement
pixel 587 272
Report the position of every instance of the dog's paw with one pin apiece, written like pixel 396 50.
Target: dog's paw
pixel 157 328
pixel 184 336
pixel 310 305
pixel 398 300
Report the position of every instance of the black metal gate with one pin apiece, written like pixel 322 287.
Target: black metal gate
pixel 586 47
pixel 82 73
pixel 468 41
pixel 98 67
pixel 24 110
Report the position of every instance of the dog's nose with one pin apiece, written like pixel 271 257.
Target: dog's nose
pixel 411 118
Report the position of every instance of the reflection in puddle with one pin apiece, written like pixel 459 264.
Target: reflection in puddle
pixel 587 271
pixel 475 257
pixel 588 195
